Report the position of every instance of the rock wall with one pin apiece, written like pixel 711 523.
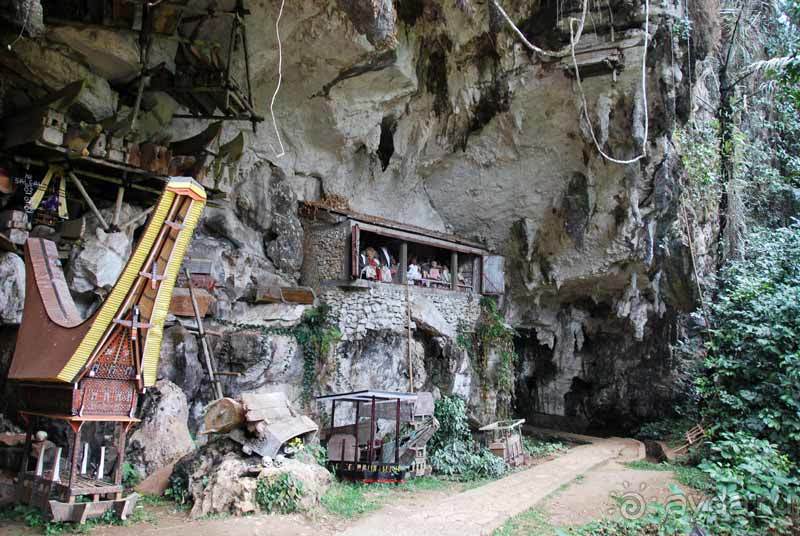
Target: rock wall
pixel 432 113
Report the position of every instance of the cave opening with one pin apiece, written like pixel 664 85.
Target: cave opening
pixel 386 143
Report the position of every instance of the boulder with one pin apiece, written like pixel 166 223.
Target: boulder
pixel 374 18
pixel 163 435
pixel 286 250
pixel 12 288
pixel 54 66
pixel 428 318
pixel 252 199
pixel 220 480
pixel 100 263
pixel 112 54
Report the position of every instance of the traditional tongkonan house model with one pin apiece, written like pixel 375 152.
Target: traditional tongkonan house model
pixel 92 371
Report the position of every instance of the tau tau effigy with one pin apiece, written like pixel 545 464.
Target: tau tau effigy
pixel 93 370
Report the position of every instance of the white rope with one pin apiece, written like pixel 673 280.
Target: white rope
pixel 573 42
pixel 24 26
pixel 280 79
pixel 555 53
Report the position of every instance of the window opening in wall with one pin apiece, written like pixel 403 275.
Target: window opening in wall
pixel 379 258
pixel 393 260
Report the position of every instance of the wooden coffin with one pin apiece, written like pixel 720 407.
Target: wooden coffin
pixel 181 304
pixel 274 294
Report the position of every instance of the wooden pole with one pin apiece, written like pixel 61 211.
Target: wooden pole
pixel 454 270
pixel 204 342
pixel 408 345
pixel 355 431
pixel 372 432
pixel 118 205
pixel 120 433
pixel 333 415
pixel 397 434
pixel 76 448
pixel 26 452
pixel 88 200
pixel 404 262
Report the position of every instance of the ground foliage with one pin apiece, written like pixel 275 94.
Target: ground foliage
pixel 280 494
pixel 453 452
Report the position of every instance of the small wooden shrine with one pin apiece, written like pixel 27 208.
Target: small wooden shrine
pixel 82 371
pixel 354 450
pixel 503 438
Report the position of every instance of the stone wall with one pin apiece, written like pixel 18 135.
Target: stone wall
pixel 327 252
pixel 368 306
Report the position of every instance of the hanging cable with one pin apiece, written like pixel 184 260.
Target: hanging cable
pixel 573 42
pixel 24 26
pixel 574 38
pixel 534 48
pixel 280 79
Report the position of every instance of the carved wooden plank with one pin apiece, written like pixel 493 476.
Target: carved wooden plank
pixel 181 304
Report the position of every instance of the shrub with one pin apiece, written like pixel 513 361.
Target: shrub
pixel 751 378
pixel 537 448
pixel 453 453
pixel 754 491
pixel 280 494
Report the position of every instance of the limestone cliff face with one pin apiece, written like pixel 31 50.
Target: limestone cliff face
pixel 432 112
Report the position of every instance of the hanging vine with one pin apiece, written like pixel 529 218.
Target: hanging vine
pixel 315 334
pixel 492 334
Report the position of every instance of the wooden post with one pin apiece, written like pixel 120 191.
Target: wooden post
pixel 408 342
pixel 118 205
pixel 85 460
pixel 333 415
pixel 355 431
pixel 120 433
pixel 454 270
pixel 40 460
pixel 372 432
pixel 76 447
pixel 26 453
pixel 56 474
pixel 397 434
pixel 88 200
pixel 101 469
pixel 204 342
pixel 404 263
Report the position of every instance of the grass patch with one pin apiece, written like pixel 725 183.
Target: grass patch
pixel 542 448
pixel 688 476
pixel 33 518
pixel 529 523
pixel 351 499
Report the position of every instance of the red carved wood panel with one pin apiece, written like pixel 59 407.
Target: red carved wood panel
pixel 108 397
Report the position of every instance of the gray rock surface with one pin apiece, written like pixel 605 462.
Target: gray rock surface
pixel 12 288
pixel 163 435
pixel 100 262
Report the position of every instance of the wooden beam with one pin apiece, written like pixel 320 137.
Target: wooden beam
pixel 404 262
pixel 118 205
pixel 454 270
pixel 88 200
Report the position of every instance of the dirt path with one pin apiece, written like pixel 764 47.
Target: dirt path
pixel 478 511
pixel 482 510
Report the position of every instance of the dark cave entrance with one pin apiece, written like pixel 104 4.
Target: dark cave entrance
pixel 386 144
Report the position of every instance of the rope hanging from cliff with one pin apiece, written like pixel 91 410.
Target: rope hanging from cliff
pixel 574 38
pixel 280 79
pixel 573 42
pixel 531 46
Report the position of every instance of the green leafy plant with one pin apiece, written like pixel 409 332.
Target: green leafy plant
pixel 754 491
pixel 752 372
pixel 280 494
pixel 538 448
pixel 492 333
pixel 130 475
pixel 453 453
pixel 315 334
